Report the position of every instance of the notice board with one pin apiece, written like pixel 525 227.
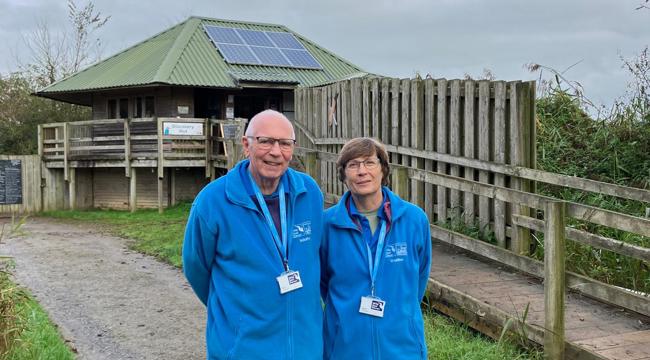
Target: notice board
pixel 11 182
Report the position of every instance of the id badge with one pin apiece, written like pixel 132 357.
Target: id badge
pixel 289 281
pixel 373 306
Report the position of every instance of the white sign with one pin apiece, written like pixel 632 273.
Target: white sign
pixel 182 128
pixel 183 110
pixel 230 113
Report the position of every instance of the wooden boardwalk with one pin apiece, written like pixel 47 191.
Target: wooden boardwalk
pixel 483 294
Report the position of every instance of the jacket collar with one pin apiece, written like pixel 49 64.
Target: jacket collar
pixel 238 186
pixel 341 217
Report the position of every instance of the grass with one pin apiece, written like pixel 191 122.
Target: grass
pixel 26 332
pixel 447 339
pixel 616 151
pixel 162 236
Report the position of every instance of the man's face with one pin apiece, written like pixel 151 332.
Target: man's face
pixel 363 175
pixel 268 164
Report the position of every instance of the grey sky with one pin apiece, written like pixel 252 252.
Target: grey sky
pixel 446 38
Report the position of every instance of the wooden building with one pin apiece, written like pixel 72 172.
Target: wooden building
pixel 166 110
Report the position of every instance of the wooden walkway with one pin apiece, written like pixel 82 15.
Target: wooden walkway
pixel 483 294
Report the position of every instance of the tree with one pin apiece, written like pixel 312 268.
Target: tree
pixel 53 56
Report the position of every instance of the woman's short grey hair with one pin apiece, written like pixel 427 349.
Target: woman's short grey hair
pixel 361 147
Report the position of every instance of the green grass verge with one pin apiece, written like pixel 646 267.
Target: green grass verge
pixel 31 334
pixel 162 237
pixel 447 339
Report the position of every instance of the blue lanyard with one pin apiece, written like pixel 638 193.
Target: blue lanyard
pixel 373 266
pixel 282 245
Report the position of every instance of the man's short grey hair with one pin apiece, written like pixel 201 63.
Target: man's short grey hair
pixel 264 115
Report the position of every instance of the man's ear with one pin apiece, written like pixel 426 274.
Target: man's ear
pixel 245 145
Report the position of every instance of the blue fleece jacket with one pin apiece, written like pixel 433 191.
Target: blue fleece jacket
pixel 401 282
pixel 231 261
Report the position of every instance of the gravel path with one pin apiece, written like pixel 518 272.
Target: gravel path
pixel 109 302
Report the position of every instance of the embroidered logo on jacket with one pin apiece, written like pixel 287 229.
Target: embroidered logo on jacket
pixel 302 231
pixel 396 252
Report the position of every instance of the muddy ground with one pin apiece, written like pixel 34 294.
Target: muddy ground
pixel 109 302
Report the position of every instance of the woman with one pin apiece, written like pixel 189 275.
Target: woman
pixel 375 260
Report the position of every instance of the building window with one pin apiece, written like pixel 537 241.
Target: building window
pixel 112 109
pixel 124 108
pixel 149 107
pixel 137 111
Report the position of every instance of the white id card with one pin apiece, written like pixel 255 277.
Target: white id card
pixel 372 306
pixel 289 281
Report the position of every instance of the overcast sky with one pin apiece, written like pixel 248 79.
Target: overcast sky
pixel 446 38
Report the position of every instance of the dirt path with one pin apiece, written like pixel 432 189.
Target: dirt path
pixel 109 302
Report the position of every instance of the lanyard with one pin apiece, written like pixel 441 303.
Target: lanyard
pixel 282 245
pixel 373 266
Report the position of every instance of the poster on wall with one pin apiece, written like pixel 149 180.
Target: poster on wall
pixel 182 128
pixel 11 182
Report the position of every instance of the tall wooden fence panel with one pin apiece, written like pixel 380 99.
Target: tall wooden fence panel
pixel 483 120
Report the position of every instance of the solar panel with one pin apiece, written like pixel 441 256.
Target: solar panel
pixel 284 40
pixel 223 35
pixel 270 56
pixel 238 54
pixel 252 47
pixel 301 58
pixel 255 38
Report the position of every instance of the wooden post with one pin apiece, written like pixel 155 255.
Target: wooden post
pixel 72 188
pixel 312 165
pixel 441 146
pixel 160 195
pixel 401 185
pixel 161 168
pixel 133 193
pixel 40 140
pixel 468 148
pixel 484 150
pixel 554 279
pixel 66 151
pixel 161 172
pixel 519 146
pixel 172 186
pixel 209 169
pixel 127 148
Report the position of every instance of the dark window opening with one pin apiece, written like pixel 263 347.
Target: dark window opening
pixel 149 107
pixel 138 108
pixel 124 108
pixel 112 109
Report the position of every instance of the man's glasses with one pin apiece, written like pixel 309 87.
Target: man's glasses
pixel 368 163
pixel 266 143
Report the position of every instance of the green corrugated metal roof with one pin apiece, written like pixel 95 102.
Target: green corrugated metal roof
pixel 184 55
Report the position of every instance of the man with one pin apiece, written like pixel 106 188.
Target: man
pixel 375 260
pixel 251 252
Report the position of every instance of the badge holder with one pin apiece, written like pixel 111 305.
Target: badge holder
pixel 289 281
pixel 372 305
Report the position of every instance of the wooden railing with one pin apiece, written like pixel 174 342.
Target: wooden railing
pixel 124 141
pixel 553 224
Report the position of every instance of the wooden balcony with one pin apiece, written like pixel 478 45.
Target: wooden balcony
pixel 142 142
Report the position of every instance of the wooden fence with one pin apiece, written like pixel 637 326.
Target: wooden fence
pixel 552 225
pixel 424 123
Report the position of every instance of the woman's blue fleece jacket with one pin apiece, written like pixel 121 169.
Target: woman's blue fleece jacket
pixel 401 282
pixel 231 261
